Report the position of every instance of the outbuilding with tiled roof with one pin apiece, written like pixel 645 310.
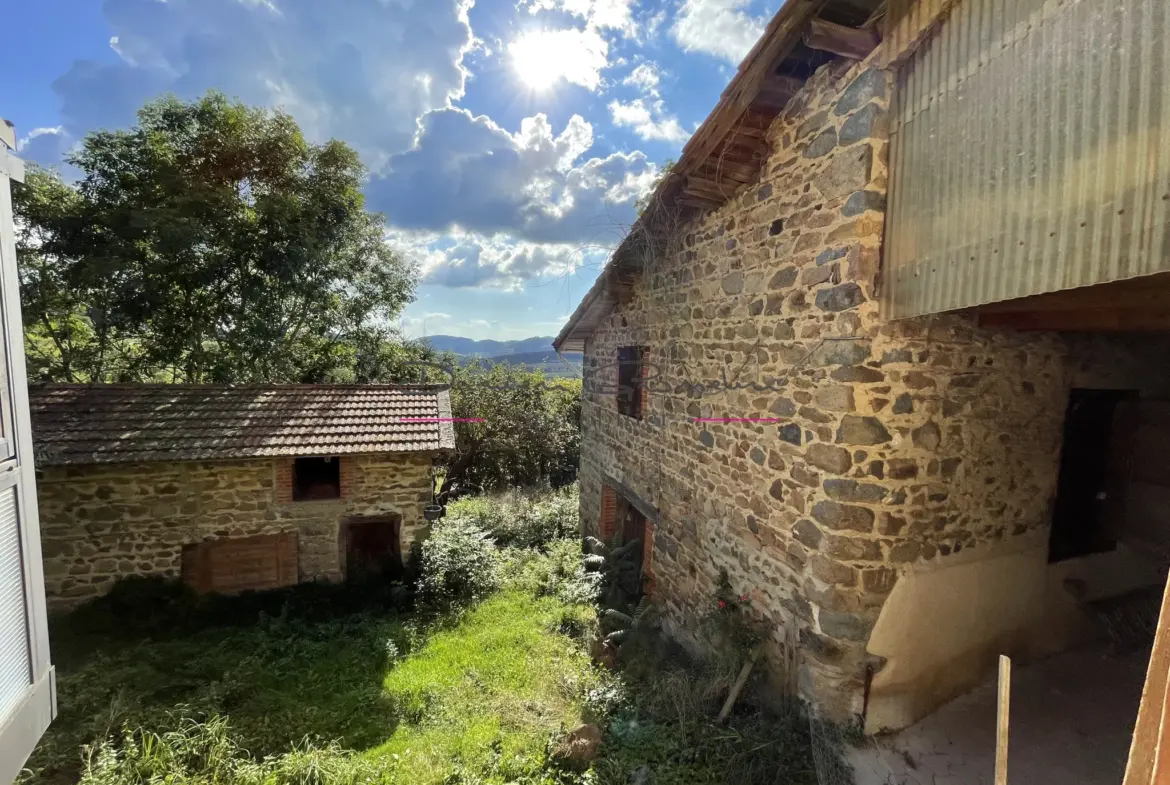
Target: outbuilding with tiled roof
pixel 232 488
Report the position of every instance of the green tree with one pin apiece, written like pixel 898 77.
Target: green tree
pixel 530 431
pixel 209 243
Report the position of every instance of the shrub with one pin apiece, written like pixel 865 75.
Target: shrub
pixel 559 572
pixel 457 563
pixel 521 519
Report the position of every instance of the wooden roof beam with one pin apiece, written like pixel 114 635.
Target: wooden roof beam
pixel 757 66
pixel 850 42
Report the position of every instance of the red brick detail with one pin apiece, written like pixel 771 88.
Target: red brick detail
pixel 348 477
pixel 607 525
pixel 648 559
pixel 284 480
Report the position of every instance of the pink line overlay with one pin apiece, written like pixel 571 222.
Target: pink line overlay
pixel 737 419
pixel 440 419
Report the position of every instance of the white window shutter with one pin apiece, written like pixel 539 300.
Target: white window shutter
pixel 15 658
pixel 27 686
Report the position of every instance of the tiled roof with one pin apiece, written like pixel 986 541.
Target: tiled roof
pixel 133 423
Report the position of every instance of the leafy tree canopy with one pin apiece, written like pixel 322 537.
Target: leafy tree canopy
pixel 530 431
pixel 209 243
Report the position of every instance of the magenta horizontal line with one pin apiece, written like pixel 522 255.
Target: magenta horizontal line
pixel 737 419
pixel 440 419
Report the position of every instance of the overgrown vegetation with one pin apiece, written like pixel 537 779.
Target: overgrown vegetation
pixel 516 428
pixel 522 519
pixel 474 677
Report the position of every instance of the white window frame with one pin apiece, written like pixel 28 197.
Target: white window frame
pixel 24 725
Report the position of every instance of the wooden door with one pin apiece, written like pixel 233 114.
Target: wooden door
pixel 372 547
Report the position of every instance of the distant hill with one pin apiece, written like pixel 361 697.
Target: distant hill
pixel 487 348
pixel 543 361
pixel 536 357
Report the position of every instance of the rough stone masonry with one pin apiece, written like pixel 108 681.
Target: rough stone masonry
pixel 101 523
pixel 898 443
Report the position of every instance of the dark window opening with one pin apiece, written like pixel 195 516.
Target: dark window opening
pixel 630 381
pixel 1085 503
pixel 316 478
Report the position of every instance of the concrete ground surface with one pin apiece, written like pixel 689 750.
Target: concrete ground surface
pixel 1071 720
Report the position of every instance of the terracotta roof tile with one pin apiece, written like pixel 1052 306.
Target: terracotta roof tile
pixel 119 423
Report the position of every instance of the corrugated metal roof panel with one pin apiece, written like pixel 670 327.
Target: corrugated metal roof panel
pixel 1030 153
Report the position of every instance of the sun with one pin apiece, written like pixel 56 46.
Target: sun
pixel 535 59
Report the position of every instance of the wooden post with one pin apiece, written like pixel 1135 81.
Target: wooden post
pixel 1148 764
pixel 737 687
pixel 1001 722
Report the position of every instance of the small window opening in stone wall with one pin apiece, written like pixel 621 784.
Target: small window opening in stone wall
pixel 316 478
pixel 631 381
pixel 1086 514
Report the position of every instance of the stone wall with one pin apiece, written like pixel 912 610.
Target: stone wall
pixel 900 444
pixel 104 522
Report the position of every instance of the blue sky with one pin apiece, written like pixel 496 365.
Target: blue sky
pixel 507 140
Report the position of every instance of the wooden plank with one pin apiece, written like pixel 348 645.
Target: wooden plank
pixel 845 41
pixel 1001 720
pixel 1103 320
pixel 1149 752
pixel 719 169
pixel 1141 291
pixel 749 132
pixel 701 204
pixel 703 184
pixel 745 150
pixel 715 197
pixel 235 564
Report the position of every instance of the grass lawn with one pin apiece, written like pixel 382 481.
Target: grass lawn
pixel 488 693
pixel 324 684
pixel 480 695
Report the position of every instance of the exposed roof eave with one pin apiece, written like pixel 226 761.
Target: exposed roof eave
pixel 733 137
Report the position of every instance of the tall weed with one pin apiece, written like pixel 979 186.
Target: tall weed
pixel 522 519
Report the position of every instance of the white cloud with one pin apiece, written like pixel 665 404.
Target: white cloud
pixel 500 261
pixel 468 173
pixel 646 78
pixel 541 57
pixel 610 14
pixel 474 203
pixel 718 27
pixel 652 24
pixel 359 71
pixel 57 131
pixel 649 119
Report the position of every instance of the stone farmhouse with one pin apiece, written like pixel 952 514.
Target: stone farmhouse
pixel 231 488
pixel 890 347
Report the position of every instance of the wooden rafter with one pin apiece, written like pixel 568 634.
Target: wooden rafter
pixel 851 42
pixel 760 63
